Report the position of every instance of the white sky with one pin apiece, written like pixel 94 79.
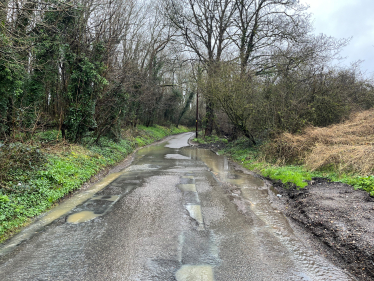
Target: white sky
pixel 345 19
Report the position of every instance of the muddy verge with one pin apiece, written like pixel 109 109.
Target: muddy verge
pixel 332 218
pixel 338 216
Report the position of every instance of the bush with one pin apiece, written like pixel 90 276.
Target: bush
pixel 18 161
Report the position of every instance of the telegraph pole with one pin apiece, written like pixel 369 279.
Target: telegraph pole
pixel 197 112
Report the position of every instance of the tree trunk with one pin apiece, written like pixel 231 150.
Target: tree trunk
pixel 209 117
pixel 9 117
pixel 248 135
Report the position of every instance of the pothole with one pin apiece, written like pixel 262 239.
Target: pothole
pixel 195 273
pixel 112 198
pixel 195 213
pixel 82 217
pixel 94 210
pixel 177 157
pixel 187 187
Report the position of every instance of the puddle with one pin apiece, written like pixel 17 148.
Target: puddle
pixel 99 208
pixel 112 198
pixel 177 157
pixel 57 212
pixel 187 187
pixel 195 273
pixel 179 141
pixel 144 167
pixel 195 213
pixel 82 217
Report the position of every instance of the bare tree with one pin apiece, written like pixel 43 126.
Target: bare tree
pixel 266 26
pixel 203 26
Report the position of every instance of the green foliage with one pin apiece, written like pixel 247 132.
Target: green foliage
pixel 48 136
pixel 158 132
pixel 358 182
pixel 18 161
pixel 210 139
pixel 364 183
pixel 83 90
pixel 288 175
pixel 11 86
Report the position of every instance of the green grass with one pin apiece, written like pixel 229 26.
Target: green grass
pixel 250 157
pixel 210 139
pixel 36 189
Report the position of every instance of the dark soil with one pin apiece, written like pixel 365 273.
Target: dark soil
pixel 337 215
pixel 332 218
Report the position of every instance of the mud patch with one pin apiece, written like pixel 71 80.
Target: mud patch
pixel 337 215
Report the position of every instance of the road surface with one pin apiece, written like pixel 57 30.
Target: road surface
pixel 177 213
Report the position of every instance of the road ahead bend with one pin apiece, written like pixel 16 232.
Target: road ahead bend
pixel 177 213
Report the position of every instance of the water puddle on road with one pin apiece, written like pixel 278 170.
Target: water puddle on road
pixel 57 212
pixel 82 217
pixel 195 213
pixel 187 187
pixel 176 157
pixel 195 273
pixel 112 198
pixel 101 206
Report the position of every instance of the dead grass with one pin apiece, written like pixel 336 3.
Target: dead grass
pixel 346 147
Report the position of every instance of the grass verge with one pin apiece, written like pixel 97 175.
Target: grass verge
pixel 253 158
pixel 33 177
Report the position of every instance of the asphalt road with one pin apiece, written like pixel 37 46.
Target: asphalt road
pixel 177 213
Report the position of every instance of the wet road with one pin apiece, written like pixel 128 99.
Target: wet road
pixel 177 213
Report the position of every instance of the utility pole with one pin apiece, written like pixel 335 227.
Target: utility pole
pixel 197 112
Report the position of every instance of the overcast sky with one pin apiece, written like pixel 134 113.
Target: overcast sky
pixel 344 19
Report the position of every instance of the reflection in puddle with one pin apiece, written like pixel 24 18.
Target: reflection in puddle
pixel 195 213
pixel 81 217
pixel 219 165
pixel 187 187
pixel 112 198
pixel 195 273
pixel 176 156
pixel 144 167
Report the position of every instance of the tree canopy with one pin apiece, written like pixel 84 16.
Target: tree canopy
pixel 90 67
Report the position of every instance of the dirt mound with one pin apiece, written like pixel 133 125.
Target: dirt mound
pixel 347 147
pixel 339 216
